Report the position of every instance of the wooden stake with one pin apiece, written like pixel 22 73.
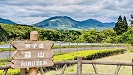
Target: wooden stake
pixel 33 37
pixel 79 65
pixel 23 71
pixel 132 67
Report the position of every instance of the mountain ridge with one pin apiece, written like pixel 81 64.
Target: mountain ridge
pixel 56 20
pixel 6 21
pixel 59 22
pixel 66 23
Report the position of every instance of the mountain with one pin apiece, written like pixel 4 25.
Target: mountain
pixel 92 23
pixel 6 21
pixel 65 22
pixel 58 22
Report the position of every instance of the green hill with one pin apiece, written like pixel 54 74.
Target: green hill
pixel 67 23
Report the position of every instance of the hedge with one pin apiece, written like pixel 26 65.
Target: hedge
pixel 88 54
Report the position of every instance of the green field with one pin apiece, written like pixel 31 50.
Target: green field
pixel 86 54
pixel 104 69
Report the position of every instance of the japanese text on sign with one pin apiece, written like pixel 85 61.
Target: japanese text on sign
pixel 29 55
pixel 27 46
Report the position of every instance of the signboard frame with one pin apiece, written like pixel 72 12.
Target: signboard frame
pixel 32 52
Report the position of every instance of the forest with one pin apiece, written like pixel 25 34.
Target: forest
pixel 122 33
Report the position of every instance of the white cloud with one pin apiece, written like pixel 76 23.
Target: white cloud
pixel 29 12
pixel 29 20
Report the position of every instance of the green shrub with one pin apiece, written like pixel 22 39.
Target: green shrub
pixel 82 46
pixel 131 50
pixel 88 54
pixel 6 49
pixel 4 62
pixel 11 72
pixel 2 43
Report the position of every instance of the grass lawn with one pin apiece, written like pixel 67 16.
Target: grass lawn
pixel 124 70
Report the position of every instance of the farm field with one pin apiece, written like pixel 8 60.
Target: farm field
pixel 87 54
pixel 124 70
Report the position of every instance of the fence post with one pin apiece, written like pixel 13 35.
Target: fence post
pixel 91 46
pixel 60 46
pixel 79 65
pixel 132 67
pixel 5 72
pixel 84 45
pixel 23 71
pixel 77 46
pixel 33 37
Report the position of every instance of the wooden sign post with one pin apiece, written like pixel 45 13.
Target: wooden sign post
pixel 32 54
pixel 33 37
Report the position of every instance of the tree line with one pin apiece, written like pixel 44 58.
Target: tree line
pixel 121 33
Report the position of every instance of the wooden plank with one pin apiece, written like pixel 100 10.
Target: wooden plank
pixel 5 67
pixel 66 62
pixel 32 45
pixel 5 71
pixel 132 67
pixel 94 62
pixel 63 74
pixel 81 74
pixel 32 54
pixel 95 69
pixel 63 70
pixel 117 70
pixel 41 71
pixel 32 63
pixel 97 74
pixel 23 71
pixel 107 63
pixel 79 65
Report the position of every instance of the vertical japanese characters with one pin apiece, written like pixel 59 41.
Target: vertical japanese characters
pixel 34 46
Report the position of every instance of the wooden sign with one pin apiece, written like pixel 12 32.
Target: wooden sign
pixel 30 54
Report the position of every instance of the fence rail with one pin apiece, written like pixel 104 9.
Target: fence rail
pixel 79 63
pixel 74 44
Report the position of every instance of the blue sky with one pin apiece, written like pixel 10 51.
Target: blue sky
pixel 33 11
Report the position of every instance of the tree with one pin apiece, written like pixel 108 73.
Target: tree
pixel 127 37
pixel 89 36
pixel 118 26
pixel 131 21
pixel 107 35
pixel 125 24
pixel 3 35
pixel 121 26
